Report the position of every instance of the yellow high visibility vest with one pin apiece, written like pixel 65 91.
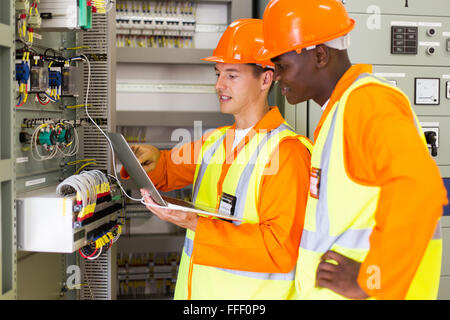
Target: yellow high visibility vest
pixel 340 214
pixel 243 181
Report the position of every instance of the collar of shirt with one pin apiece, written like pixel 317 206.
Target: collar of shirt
pixel 346 81
pixel 269 121
pixel 325 105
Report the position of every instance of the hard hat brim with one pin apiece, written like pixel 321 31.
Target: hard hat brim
pixel 264 54
pixel 264 63
pixel 221 59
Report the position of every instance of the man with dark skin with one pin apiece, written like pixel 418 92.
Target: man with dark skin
pixel 376 196
pixel 294 73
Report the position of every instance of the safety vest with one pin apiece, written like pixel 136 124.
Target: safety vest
pixel 340 213
pixel 243 181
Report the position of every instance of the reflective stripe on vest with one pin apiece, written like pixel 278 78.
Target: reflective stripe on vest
pixel 205 161
pixel 244 179
pixel 189 247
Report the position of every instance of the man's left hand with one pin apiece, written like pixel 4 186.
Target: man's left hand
pixel 184 219
pixel 340 278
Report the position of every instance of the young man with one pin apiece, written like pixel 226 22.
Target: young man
pixel 259 164
pixel 376 196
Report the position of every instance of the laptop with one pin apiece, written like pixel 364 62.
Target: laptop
pixel 143 181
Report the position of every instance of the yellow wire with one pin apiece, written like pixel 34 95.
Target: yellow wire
pixel 76 48
pixel 78 106
pixel 84 165
pixel 78 161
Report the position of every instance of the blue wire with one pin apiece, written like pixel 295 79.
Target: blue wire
pixel 20 100
pixel 51 99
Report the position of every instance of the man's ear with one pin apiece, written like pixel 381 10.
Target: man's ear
pixel 267 79
pixel 322 56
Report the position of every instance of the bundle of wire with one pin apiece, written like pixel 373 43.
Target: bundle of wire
pixel 59 149
pixel 103 242
pixel 87 185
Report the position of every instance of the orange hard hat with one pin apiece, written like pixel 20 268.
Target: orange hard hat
pixel 297 24
pixel 240 43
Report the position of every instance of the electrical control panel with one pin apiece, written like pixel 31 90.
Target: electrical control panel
pixel 63 98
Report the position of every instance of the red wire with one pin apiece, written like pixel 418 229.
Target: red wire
pixel 84 256
pixel 44 104
pixel 19 105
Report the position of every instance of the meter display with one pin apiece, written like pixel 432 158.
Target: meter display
pixel 426 91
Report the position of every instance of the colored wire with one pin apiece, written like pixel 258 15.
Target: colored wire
pixel 39 99
pixel 77 106
pixel 77 48
pixel 71 163
pixel 87 256
pixel 83 166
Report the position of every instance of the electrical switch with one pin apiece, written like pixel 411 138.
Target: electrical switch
pixel 431 138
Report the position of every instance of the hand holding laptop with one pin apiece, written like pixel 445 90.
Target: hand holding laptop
pixel 181 218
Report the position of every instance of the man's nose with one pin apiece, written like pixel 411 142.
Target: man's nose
pixel 220 83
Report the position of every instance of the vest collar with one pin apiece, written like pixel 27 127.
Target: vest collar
pixel 343 84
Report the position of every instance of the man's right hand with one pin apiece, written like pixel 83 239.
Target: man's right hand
pixel 147 155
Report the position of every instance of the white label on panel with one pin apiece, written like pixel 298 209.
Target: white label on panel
pixel 21 159
pixel 429 124
pixel 34 182
pixel 430 24
pixel 404 23
pixel 446 34
pixel 429 44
